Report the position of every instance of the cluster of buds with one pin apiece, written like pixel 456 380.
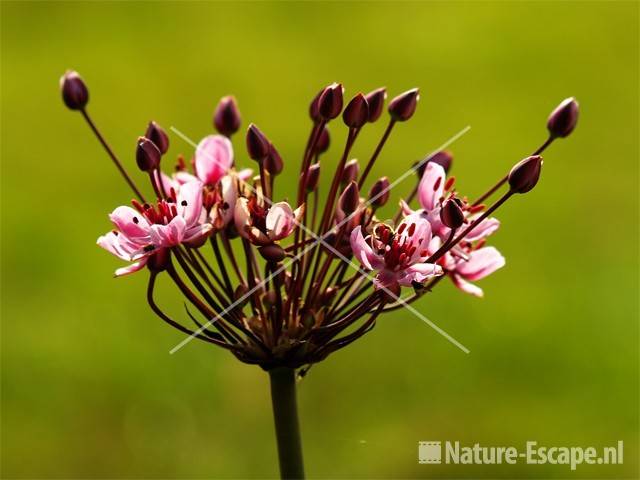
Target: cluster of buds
pixel 280 284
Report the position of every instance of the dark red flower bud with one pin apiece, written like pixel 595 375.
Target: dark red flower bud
pixel 147 155
pixel 357 112
pixel 74 90
pixel 451 214
pixel 273 162
pixel 330 102
pixel 272 253
pixel 350 199
pixel 563 119
pixel 350 172
pixel 158 136
pixel 525 174
pixel 314 108
pixel 322 145
pixel 404 105
pixel 379 193
pixel 159 261
pixel 226 118
pixel 257 143
pixel 313 176
pixel 443 158
pixel 376 99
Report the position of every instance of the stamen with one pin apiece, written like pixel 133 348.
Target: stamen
pixel 477 208
pixel 449 183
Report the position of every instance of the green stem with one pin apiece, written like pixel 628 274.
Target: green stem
pixel 285 413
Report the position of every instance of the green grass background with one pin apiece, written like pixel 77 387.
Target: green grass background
pixel 88 387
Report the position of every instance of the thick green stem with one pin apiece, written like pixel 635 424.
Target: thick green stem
pixel 285 414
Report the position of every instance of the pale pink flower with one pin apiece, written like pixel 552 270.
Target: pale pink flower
pixel 478 264
pixel 264 225
pixel 213 159
pixel 400 256
pixel 143 231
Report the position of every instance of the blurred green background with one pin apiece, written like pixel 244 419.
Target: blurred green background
pixel 88 387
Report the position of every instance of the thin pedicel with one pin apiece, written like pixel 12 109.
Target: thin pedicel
pixel 271 282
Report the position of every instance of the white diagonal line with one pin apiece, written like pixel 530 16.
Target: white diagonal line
pixel 321 239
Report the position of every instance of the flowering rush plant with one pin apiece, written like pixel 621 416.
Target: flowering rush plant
pixel 284 284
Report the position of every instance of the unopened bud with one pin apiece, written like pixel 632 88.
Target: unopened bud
pixel 272 253
pixel 404 105
pixel 226 118
pixel 350 172
pixel 376 99
pixel 330 102
pixel 451 214
pixel 147 155
pixel 313 176
pixel 563 119
pixel 240 295
pixel 379 193
pixel 158 136
pixel 525 174
pixel 314 108
pixel 322 145
pixel 269 299
pixel 257 143
pixel 74 90
pixel 273 162
pixel 357 112
pixel 350 199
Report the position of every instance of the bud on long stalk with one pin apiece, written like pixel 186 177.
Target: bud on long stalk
pixel 74 91
pixel 226 118
pixel 158 136
pixel 525 174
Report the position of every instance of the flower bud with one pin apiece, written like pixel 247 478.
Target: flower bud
pixel 158 136
pixel 257 144
pixel 272 253
pixel 451 214
pixel 379 193
pixel 376 99
pixel 147 155
pixel 350 199
pixel 226 118
pixel 442 158
pixel 404 105
pixel 322 145
pixel 273 162
pixel 357 112
pixel 313 175
pixel 330 102
pixel 314 108
pixel 563 119
pixel 74 90
pixel 525 174
pixel 350 172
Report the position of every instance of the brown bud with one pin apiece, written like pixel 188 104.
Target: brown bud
pixel 350 172
pixel 357 112
pixel 314 108
pixel 451 214
pixel 257 143
pixel 350 198
pixel 376 99
pixel 563 119
pixel 226 118
pixel 241 293
pixel 272 253
pixel 404 105
pixel 273 162
pixel 147 155
pixel 74 91
pixel 330 102
pixel 322 145
pixel 525 174
pixel 158 136
pixel 379 193
pixel 313 176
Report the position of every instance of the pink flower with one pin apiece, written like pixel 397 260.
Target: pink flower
pixel 214 157
pixel 431 191
pixel 142 231
pixel 264 225
pixel 399 257
pixel 479 264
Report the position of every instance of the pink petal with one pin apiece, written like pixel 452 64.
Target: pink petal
pixel 134 267
pixel 466 286
pixel 130 223
pixel 195 233
pixel 481 263
pixel 190 202
pixel 118 245
pixel 363 251
pixel 245 174
pixel 214 157
pixel 428 195
pixel 483 230
pixel 168 235
pixel 183 177
pixel 419 273
pixel 279 221
pixel 242 216
pixel 168 183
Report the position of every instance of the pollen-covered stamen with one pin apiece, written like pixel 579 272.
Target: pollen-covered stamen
pixel 450 182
